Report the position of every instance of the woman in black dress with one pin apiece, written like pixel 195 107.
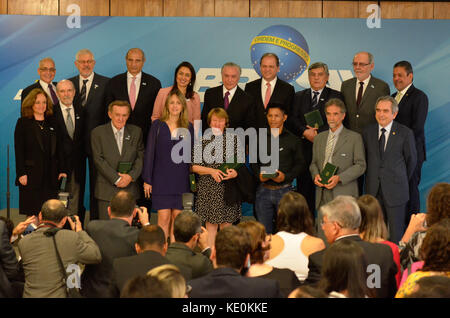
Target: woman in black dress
pixel 39 164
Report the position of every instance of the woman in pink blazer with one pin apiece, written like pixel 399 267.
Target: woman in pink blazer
pixel 184 81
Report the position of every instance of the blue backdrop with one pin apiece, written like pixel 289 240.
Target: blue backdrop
pixel 208 43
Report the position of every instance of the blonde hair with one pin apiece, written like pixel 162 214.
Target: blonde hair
pixel 218 112
pixel 170 276
pixel 183 121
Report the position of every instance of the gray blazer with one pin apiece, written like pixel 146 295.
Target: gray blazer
pixel 43 277
pixel 360 117
pixel 107 157
pixel 348 156
pixel 398 164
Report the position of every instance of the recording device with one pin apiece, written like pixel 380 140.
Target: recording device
pixel 188 201
pixel 136 222
pixel 30 228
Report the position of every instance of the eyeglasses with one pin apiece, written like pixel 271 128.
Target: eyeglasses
pixel 86 62
pixel 360 64
pixel 46 69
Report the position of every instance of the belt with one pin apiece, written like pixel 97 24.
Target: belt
pixel 276 187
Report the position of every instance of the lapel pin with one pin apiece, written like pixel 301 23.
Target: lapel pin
pixel 127 137
pixel 372 86
pixel 321 99
pixel 95 86
pixel 144 83
pixel 393 133
pixel 51 128
pixel 77 117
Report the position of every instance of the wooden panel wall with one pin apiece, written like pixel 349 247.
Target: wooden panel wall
pixel 232 8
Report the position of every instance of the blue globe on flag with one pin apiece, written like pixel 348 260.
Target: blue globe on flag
pixel 288 44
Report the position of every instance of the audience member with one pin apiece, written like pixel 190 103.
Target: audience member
pixel 438 203
pixel 90 94
pixel 46 71
pixel 40 161
pixel 391 159
pixel 432 287
pixel 341 221
pixel 189 234
pixel 184 81
pixel 435 252
pixel 269 89
pixel 373 228
pixel 115 238
pixel 292 245
pixel 213 181
pixel 151 246
pixel 276 176
pixel 306 101
pixel 165 177
pixel 344 271
pixel 119 164
pixel 145 287
pixel 43 274
pixel 230 255
pixel 260 243
pixel 307 291
pixel 172 279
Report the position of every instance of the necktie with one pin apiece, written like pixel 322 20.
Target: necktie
pixel 381 142
pixel 268 94
pixel 69 123
pixel 226 101
pixel 328 149
pixel 83 93
pixel 119 140
pixel 398 97
pixel 133 92
pixel 360 93
pixel 315 100
pixel 53 94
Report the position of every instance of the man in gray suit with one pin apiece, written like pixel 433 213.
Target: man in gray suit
pixel 118 152
pixel 43 276
pixel 361 92
pixel 391 160
pixel 341 147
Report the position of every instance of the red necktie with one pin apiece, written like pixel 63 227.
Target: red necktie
pixel 360 93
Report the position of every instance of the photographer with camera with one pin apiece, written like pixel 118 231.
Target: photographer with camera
pixel 43 273
pixel 115 237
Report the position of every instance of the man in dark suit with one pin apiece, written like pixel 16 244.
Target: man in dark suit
pixel 412 112
pixel 230 255
pixel 306 101
pixel 118 154
pixel 391 160
pixel 189 234
pixel 269 88
pixel 46 71
pixel 341 221
pixel 90 94
pixel 69 118
pixel 151 246
pixel 137 87
pixel 115 238
pixel 237 103
pixel 361 92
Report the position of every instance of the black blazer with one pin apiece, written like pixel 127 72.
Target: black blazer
pixel 115 238
pixel 412 113
pixel 283 93
pixel 73 149
pixel 227 283
pixel 240 111
pixel 301 105
pixel 30 156
pixel 95 108
pixel 143 109
pixel 376 253
pixel 28 89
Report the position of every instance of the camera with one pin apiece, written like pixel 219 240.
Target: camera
pixel 136 222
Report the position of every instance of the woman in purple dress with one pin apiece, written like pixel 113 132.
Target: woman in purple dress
pixel 167 161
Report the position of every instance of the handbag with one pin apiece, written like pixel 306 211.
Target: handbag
pixel 70 292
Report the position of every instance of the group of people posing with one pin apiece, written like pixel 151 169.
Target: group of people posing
pixel 128 126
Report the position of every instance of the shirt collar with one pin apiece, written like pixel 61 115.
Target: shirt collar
pixel 366 81
pixel 272 82
pixel 115 130
pixel 232 91
pixel 45 85
pixel 388 127
pixel 90 78
pixel 338 131
pixel 403 92
pixel 320 91
pixel 138 76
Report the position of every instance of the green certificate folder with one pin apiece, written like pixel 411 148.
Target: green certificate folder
pixel 230 165
pixel 192 182
pixel 314 119
pixel 124 167
pixel 328 172
pixel 268 174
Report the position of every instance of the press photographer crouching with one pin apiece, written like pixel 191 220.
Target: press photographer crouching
pixel 43 273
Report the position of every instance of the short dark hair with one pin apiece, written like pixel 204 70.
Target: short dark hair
pixel 272 55
pixel 277 105
pixel 436 286
pixel 337 102
pixel 145 287
pixel 53 210
pixel 186 225
pixel 122 204
pixel 151 235
pixel 232 247
pixel 406 65
pixel 308 291
pixel 435 249
pixel 293 214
